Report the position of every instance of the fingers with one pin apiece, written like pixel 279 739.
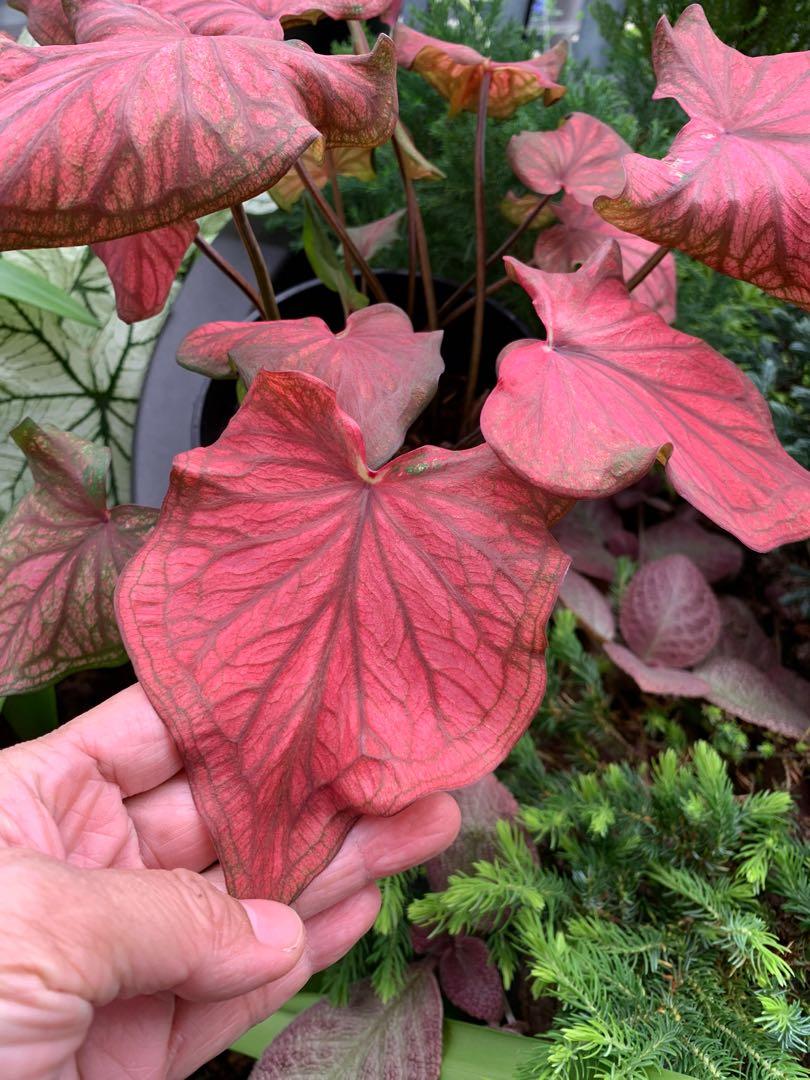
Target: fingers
pixel 170 831
pixel 203 1030
pixel 94 935
pixel 377 847
pixel 127 740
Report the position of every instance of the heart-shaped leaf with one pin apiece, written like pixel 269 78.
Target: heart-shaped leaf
pixel 583 157
pixel 657 680
pixel 354 161
pixel 143 267
pixel 61 551
pixel 376 235
pixel 326 642
pixel 47 22
pixel 732 191
pixel 383 373
pixel 630 388
pixel 669 616
pixel 743 690
pixel 239 110
pixel 482 805
pixel 714 555
pixel 588 604
pixel 470 979
pixel 366 1039
pixel 582 231
pixel 81 379
pixel 456 72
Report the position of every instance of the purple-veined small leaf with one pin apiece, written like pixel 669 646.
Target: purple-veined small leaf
pixel 470 979
pixel 669 616
pixel 482 804
pixel 744 691
pixel 383 373
pixel 714 555
pixel 61 550
pixel 588 604
pixel 656 680
pixel 366 1039
pixel 376 235
pixel 741 636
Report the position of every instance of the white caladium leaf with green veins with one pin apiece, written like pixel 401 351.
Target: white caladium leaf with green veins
pixel 82 379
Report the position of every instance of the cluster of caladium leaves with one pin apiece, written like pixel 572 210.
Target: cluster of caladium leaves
pixel 679 637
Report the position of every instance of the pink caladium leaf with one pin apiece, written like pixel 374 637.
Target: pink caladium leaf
pixel 482 805
pixel 657 680
pixel 356 161
pixel 634 389
pixel 456 72
pixel 732 191
pixel 589 534
pixel 240 110
pixel 366 637
pixel 61 550
pixel 582 157
pixel 746 692
pixel 741 636
pixel 365 1040
pixel 384 374
pixel 669 616
pixel 791 684
pixel 589 605
pixel 582 232
pixel 470 979
pixel 376 235
pixel 516 208
pixel 714 555
pixel 143 267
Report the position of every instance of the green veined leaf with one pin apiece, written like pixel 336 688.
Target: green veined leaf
pixel 17 283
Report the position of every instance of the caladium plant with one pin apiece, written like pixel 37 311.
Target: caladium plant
pixel 330 626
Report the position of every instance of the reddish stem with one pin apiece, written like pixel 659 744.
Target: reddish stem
pixel 417 226
pixel 496 286
pixel 229 271
pixel 337 198
pixel 349 245
pixel 647 268
pixel 268 307
pixel 480 247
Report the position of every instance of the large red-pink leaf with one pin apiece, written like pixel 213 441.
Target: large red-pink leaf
pixel 470 979
pixel 582 157
pixel 482 805
pixel 365 1040
pixel 714 555
pixel 325 641
pixel 376 235
pixel 590 535
pixel 669 616
pixel 384 374
pixel 742 637
pixel 61 551
pixel 587 411
pixel 746 692
pixel 123 135
pixel 47 22
pixel 732 191
pixel 456 72
pixel 143 267
pixel 656 680
pixel 354 161
pixel 582 231
pixel 588 604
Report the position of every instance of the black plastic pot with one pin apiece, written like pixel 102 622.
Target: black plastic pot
pixel 179 409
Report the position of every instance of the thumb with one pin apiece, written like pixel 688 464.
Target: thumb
pixel 103 934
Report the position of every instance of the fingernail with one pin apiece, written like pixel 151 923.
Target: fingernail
pixel 275 924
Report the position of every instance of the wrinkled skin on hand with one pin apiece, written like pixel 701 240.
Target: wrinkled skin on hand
pixel 121 954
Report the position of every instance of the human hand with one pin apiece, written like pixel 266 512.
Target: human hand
pixel 121 954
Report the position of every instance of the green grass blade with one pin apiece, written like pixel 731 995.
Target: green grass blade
pixel 17 283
